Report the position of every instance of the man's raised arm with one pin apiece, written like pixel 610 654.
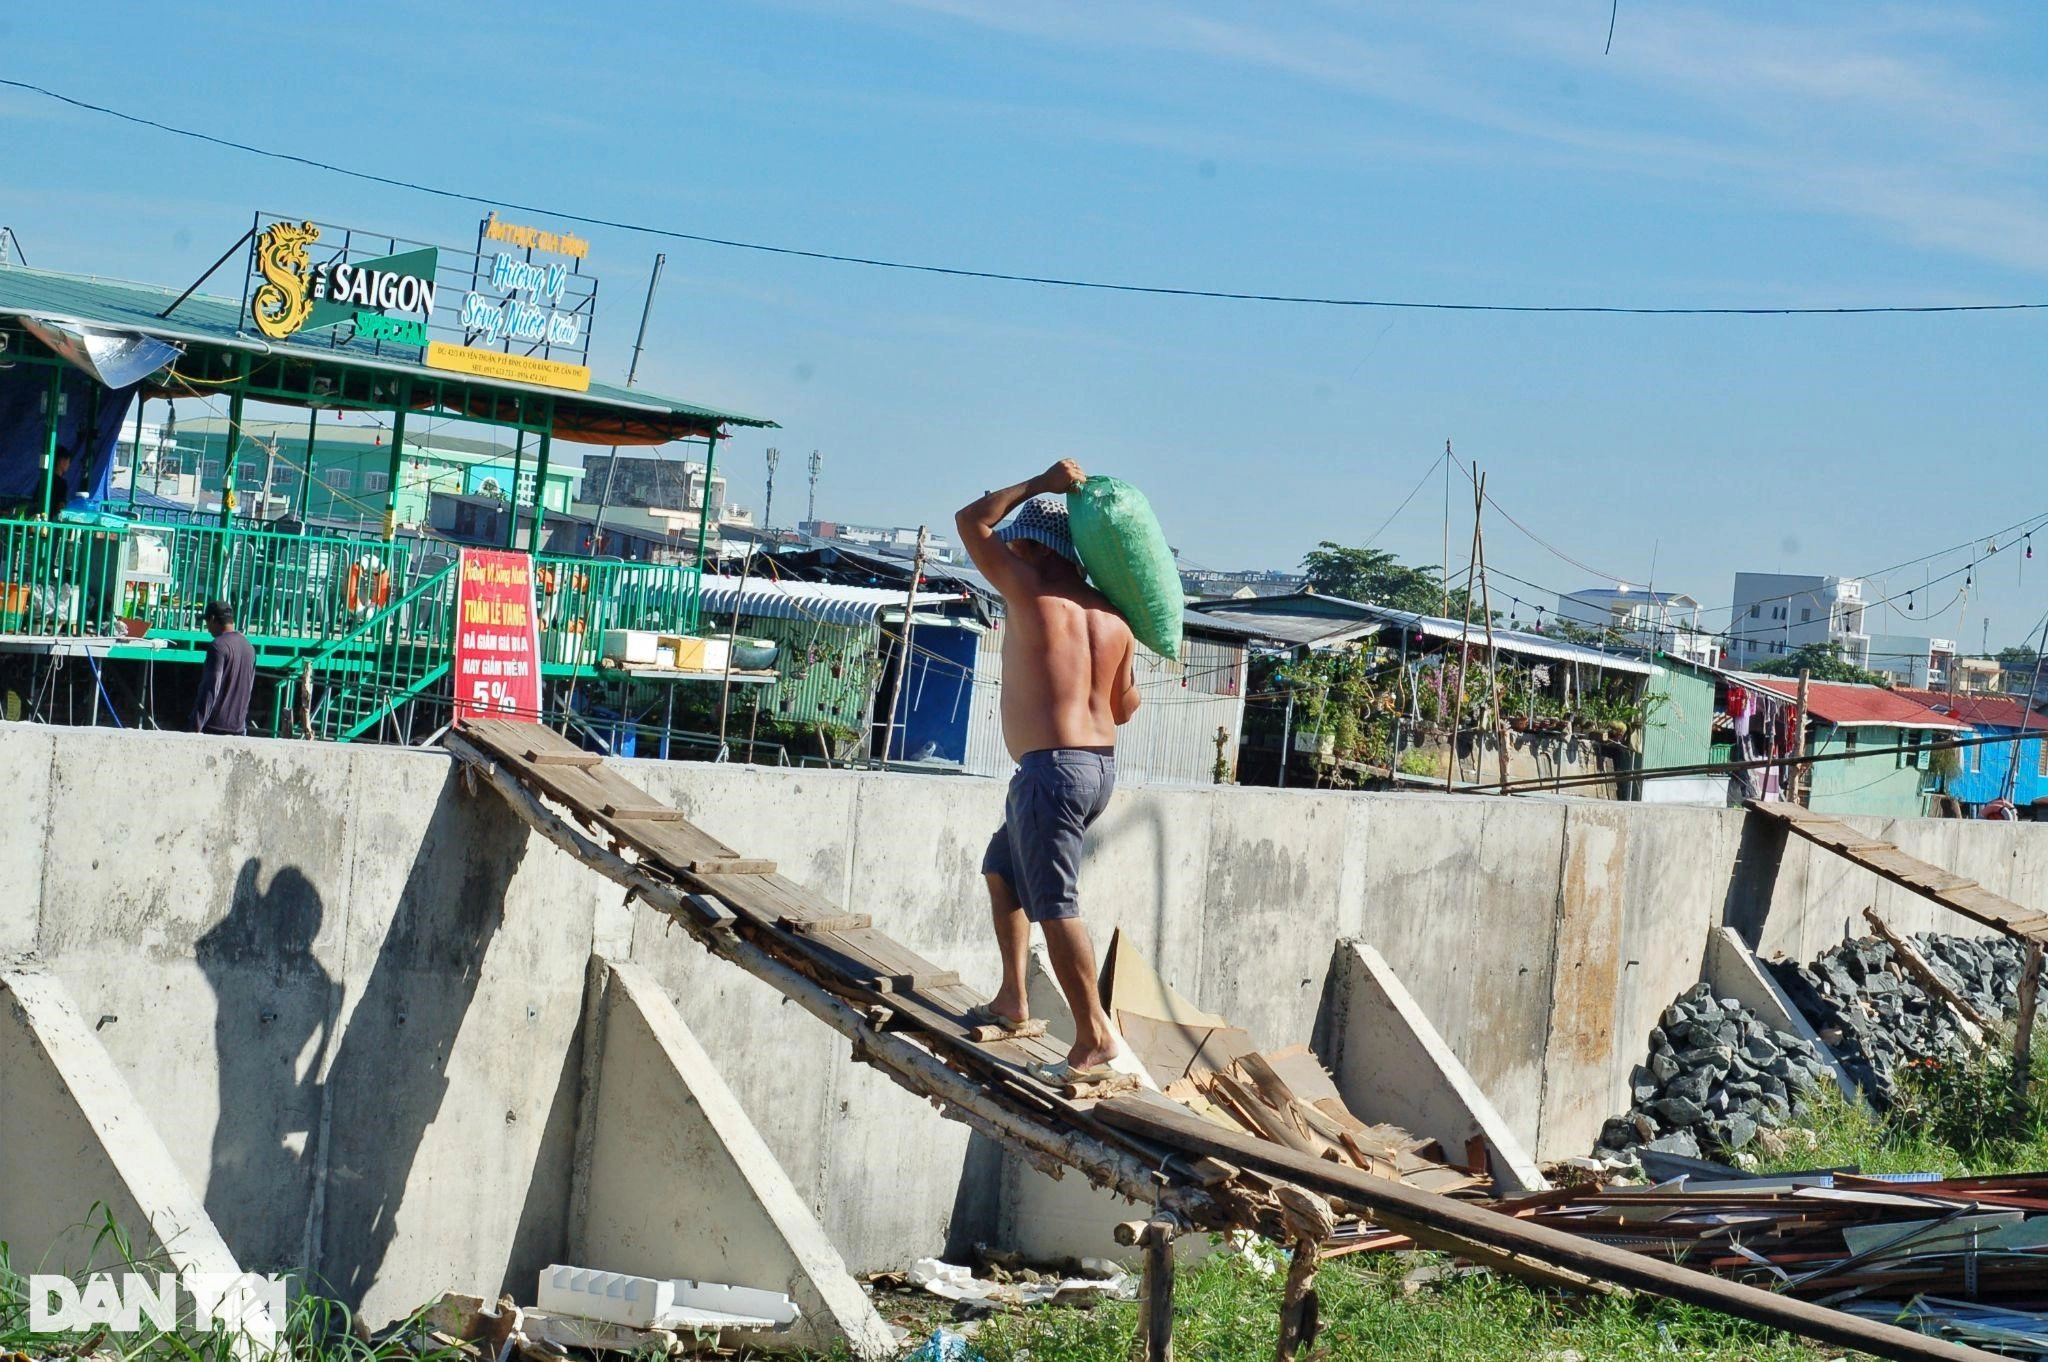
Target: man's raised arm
pixel 976 524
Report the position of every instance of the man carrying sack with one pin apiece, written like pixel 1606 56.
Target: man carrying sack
pixel 1067 685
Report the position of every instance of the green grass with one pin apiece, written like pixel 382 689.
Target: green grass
pixel 317 1330
pixel 1224 1311
pixel 1955 1119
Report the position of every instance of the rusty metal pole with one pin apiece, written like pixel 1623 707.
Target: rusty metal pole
pixel 1801 775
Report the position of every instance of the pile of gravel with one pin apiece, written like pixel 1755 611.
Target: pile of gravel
pixel 1883 1017
pixel 1716 1075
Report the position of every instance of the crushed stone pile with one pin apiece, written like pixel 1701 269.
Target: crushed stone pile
pixel 1716 1076
pixel 1883 1018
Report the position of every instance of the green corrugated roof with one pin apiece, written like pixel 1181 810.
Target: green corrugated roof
pixel 208 320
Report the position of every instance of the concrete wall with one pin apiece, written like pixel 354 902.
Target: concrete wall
pixel 350 997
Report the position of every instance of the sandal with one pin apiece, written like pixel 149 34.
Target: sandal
pixel 982 1015
pixel 1062 1072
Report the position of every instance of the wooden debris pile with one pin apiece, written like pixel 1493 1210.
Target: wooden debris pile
pixel 1950 1253
pixel 1286 1097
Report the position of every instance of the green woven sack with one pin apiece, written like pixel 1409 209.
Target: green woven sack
pixel 1125 552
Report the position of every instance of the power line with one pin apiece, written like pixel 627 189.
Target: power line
pixel 1000 276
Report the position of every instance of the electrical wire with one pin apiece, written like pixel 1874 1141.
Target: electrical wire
pixel 998 276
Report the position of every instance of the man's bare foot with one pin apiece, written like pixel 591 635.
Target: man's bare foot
pixel 1011 1011
pixel 1091 1057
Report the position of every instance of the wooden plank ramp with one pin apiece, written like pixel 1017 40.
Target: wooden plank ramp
pixel 1957 893
pixel 915 1021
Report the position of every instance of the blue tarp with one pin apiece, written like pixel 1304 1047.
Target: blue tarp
pixel 89 425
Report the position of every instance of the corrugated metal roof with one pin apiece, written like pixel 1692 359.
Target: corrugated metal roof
pixel 206 319
pixel 1317 618
pixel 824 602
pixel 1978 711
pixel 1847 705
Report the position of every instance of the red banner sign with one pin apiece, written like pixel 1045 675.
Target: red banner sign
pixel 497 637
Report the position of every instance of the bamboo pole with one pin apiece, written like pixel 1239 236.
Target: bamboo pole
pixel 1500 723
pixel 1465 653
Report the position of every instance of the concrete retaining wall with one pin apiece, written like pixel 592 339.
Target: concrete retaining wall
pixel 350 997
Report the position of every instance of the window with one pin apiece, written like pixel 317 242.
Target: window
pixel 284 475
pixel 1848 740
pixel 1911 756
pixel 1805 615
pixel 1976 759
pixel 376 482
pixel 1755 611
pixel 2041 759
pixel 340 479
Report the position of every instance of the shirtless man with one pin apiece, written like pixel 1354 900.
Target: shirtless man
pixel 1067 685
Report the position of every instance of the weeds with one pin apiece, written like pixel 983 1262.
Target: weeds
pixel 1954 1119
pixel 1225 1311
pixel 316 1329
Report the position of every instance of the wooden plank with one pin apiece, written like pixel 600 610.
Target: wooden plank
pixel 1957 893
pixel 653 813
pixel 915 983
pixel 729 865
pixel 819 926
pixel 1902 951
pixel 582 759
pixel 848 965
pixel 1157 1119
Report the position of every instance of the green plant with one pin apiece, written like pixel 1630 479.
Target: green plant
pixel 1380 1306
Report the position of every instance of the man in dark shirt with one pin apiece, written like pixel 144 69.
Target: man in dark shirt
pixel 223 704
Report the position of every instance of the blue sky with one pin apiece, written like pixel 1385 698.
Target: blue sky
pixel 1729 154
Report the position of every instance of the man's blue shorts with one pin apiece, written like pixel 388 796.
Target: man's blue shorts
pixel 1056 793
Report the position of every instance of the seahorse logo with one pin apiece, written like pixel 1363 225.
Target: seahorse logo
pixel 282 305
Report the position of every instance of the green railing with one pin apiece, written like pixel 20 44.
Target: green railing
pixel 287 587
pixel 63 580
pixel 82 581
pixel 373 618
pixel 396 655
pixel 580 598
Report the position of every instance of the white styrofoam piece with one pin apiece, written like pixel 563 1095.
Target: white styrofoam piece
pixel 651 1303
pixel 632 647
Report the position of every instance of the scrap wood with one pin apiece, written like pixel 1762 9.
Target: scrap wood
pixel 1976 1024
pixel 1152 1117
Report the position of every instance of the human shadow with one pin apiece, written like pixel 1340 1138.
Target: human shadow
pixel 390 1073
pixel 274 1006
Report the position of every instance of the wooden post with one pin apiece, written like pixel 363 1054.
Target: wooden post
pixel 2023 1035
pixel 1158 1317
pixel 1801 776
pixel 1310 1221
pixel 1500 722
pixel 1465 650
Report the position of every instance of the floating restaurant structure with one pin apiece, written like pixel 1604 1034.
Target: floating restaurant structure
pixel 355 626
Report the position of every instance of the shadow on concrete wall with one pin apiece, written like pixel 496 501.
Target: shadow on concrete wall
pixel 1754 881
pixel 390 1074
pixel 274 1007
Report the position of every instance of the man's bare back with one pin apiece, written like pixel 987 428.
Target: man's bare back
pixel 1066 663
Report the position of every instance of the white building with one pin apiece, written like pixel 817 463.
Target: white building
pixel 1912 659
pixel 1777 613
pixel 1654 621
pixel 900 540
